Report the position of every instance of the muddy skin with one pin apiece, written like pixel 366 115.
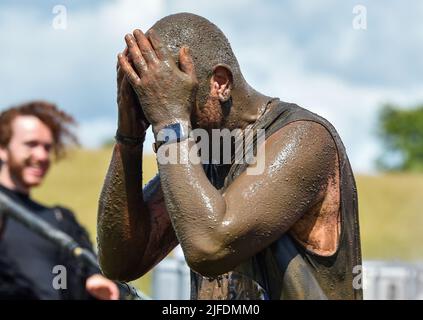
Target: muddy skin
pixel 131 242
pixel 319 229
pixel 219 232
pixel 297 194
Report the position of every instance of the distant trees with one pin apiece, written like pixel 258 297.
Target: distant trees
pixel 401 131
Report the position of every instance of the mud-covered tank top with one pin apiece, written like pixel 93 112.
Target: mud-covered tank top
pixel 286 269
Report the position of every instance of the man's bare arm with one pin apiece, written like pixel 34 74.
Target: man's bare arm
pixel 134 230
pixel 217 232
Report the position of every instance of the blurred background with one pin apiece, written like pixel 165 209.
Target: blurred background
pixel 358 64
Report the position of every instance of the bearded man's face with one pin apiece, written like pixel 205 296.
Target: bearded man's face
pixel 27 157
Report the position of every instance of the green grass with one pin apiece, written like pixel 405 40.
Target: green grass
pixel 390 205
pixel 391 216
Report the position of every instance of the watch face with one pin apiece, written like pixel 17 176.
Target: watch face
pixel 177 129
pixel 172 132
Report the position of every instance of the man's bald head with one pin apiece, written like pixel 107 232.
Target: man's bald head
pixel 209 48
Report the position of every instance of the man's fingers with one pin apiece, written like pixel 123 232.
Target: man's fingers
pixel 120 74
pixel 127 86
pixel 162 51
pixel 127 69
pixel 135 54
pixel 145 47
pixel 187 63
pixel 125 53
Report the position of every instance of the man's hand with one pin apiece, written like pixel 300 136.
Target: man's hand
pixel 166 93
pixel 132 121
pixel 102 288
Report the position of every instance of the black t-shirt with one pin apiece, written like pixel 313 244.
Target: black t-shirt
pixel 13 284
pixel 35 257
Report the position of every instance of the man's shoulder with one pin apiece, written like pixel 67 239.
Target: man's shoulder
pixel 69 223
pixel 297 116
pixel 299 112
pixel 301 133
pixel 64 209
pixel 66 217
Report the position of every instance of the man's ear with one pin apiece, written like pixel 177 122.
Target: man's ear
pixel 221 83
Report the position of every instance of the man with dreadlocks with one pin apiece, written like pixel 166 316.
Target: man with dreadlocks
pixel 29 135
pixel 290 232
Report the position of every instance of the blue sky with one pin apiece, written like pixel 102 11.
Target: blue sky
pixel 301 51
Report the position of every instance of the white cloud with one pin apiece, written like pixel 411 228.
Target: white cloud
pixel 301 52
pixel 313 57
pixel 351 108
pixel 73 67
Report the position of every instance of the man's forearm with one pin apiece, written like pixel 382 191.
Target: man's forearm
pixel 195 206
pixel 122 217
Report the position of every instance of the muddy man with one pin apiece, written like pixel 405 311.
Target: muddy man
pixel 291 232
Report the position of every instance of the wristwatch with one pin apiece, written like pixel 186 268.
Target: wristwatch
pixel 174 132
pixel 129 141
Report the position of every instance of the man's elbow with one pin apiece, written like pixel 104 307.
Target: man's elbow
pixel 208 261
pixel 122 275
pixel 120 269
